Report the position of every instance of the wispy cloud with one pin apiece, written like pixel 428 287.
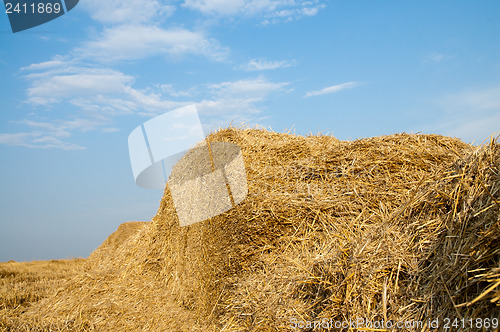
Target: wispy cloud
pixel 97 97
pixel 173 92
pixel 472 100
pixel 132 42
pixel 333 89
pixel 53 133
pixel 100 91
pixel 261 64
pixel 133 30
pixel 474 129
pixel 292 14
pixel 471 115
pixel 272 11
pixel 67 81
pixel 63 129
pixel 439 57
pixel 131 11
pixel 110 93
pixel 37 140
pixel 237 101
pixel 109 130
pixel 257 88
pixel 220 7
pixel 44 65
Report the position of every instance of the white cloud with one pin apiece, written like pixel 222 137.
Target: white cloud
pixel 132 31
pixel 472 115
pixel 237 102
pixel 311 11
pixel 44 65
pixel 102 92
pixel 257 88
pixel 53 86
pixel 473 100
pixel 307 8
pixel 221 7
pixel 131 42
pixel 109 130
pixel 333 89
pixel 171 91
pixel 273 11
pixel 151 102
pixel 54 133
pixel 128 101
pixel 260 64
pixel 439 57
pixel 37 140
pixel 97 97
pixel 474 129
pixel 64 128
pixel 229 109
pixel 131 11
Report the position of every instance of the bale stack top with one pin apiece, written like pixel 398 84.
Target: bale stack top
pixel 403 227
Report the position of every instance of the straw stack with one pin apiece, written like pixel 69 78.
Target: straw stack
pixel 393 228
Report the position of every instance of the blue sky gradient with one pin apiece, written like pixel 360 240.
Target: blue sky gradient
pixel 73 89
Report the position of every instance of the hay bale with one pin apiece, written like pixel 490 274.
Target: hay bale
pixel 207 181
pixel 121 235
pixel 105 256
pixel 394 228
pixel 119 291
pixel 330 229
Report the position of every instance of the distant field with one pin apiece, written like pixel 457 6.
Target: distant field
pixel 22 284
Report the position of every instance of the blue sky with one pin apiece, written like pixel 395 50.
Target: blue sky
pixel 73 89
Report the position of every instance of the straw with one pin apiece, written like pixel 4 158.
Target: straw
pixel 403 227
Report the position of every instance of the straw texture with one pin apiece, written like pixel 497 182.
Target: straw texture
pixel 395 228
